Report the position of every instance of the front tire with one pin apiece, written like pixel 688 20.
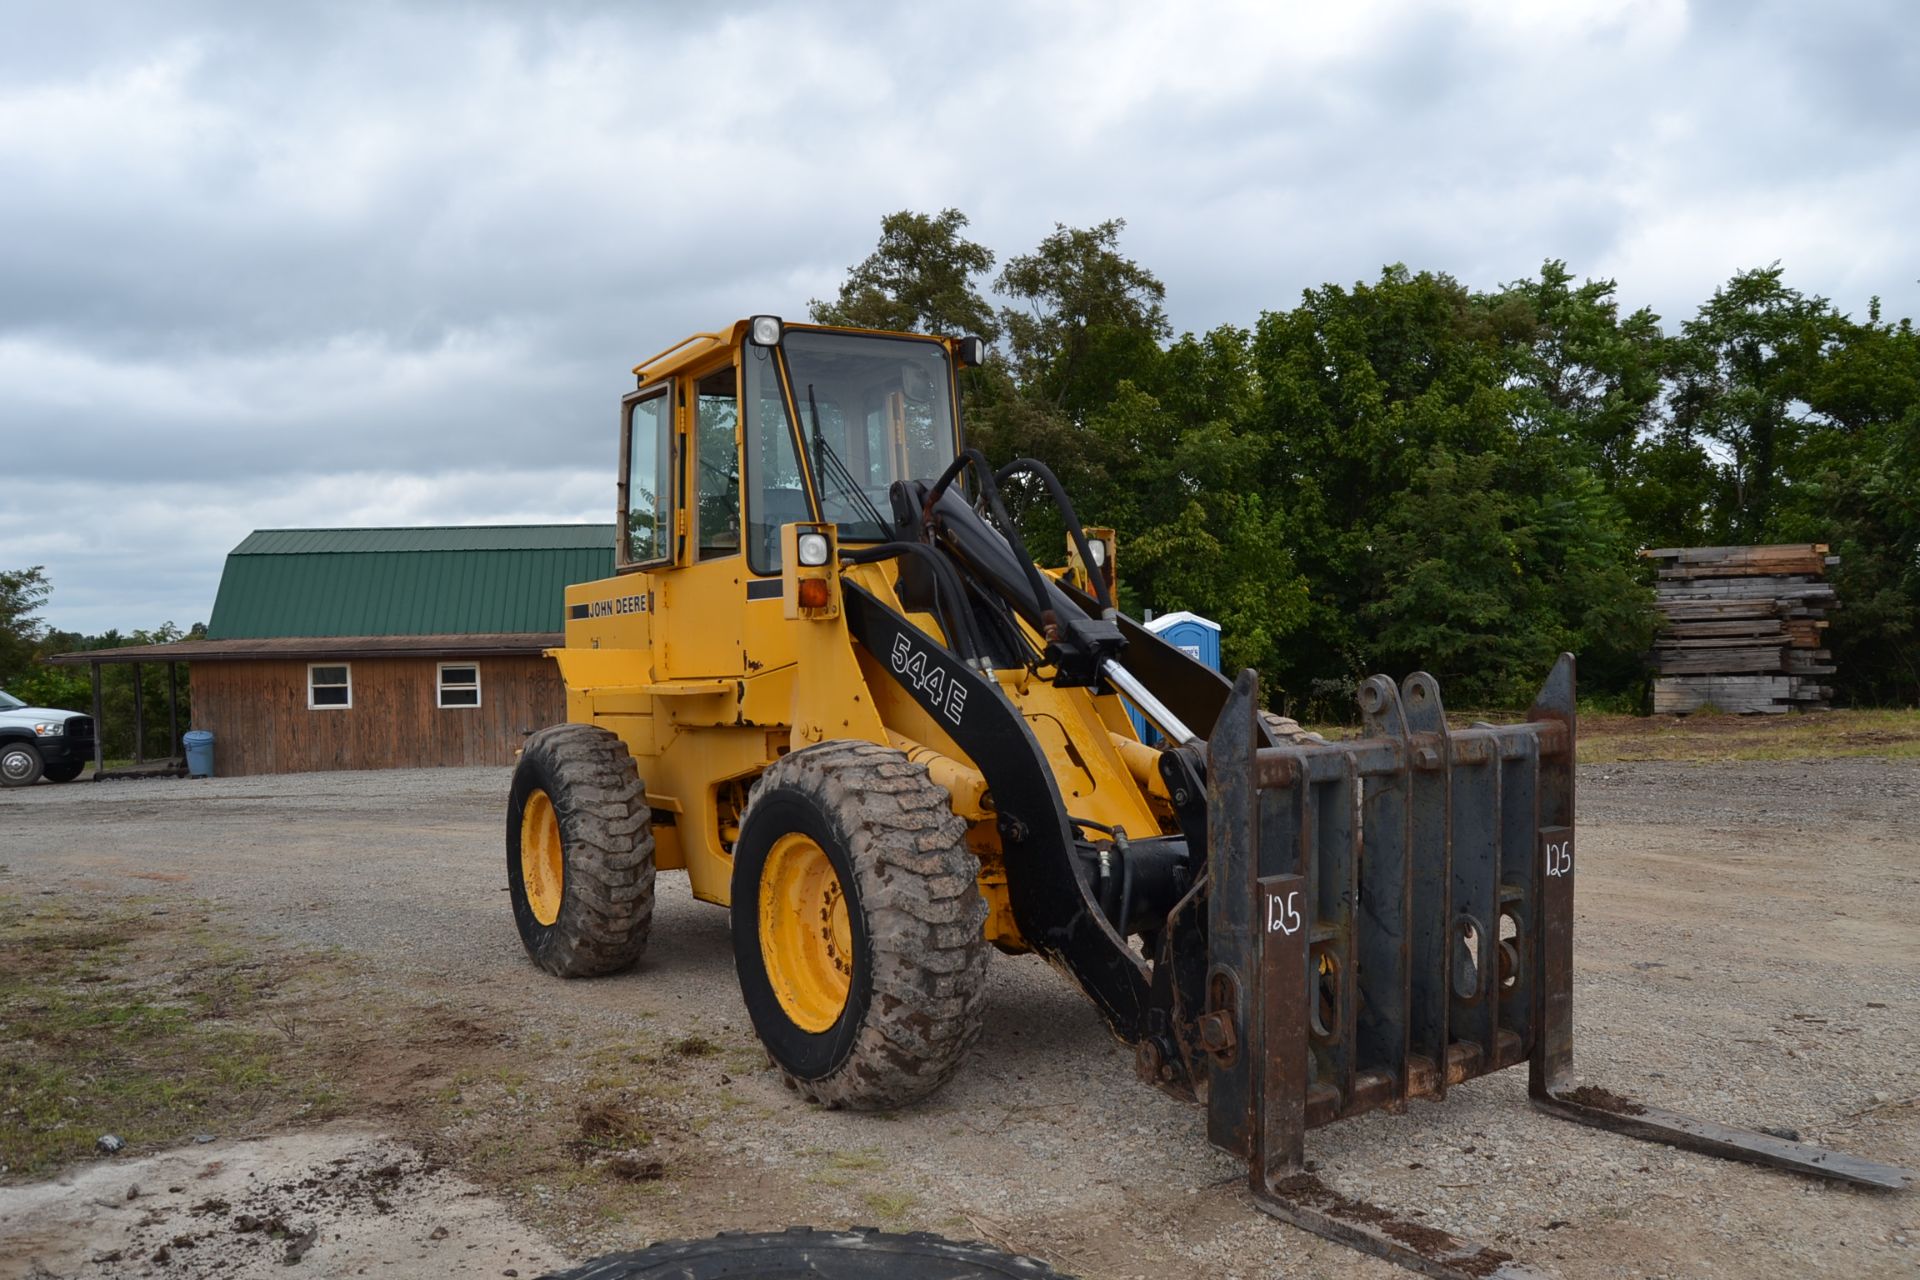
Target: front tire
pixel 858 926
pixel 579 852
pixel 20 764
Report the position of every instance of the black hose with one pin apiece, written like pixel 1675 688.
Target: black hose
pixel 990 489
pixel 1033 466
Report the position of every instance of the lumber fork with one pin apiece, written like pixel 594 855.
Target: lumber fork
pixel 1393 916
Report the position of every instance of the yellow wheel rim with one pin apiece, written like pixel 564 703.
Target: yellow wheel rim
pixel 806 939
pixel 542 868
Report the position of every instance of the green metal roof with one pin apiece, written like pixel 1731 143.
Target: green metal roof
pixel 493 579
pixel 479 537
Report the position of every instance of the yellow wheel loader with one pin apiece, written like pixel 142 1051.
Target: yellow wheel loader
pixel 829 682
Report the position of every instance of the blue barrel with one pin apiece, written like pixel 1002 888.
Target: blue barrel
pixel 199 744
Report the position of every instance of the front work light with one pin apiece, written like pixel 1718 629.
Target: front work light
pixel 812 549
pixel 972 353
pixel 1098 550
pixel 764 331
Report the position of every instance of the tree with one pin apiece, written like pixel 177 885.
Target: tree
pixel 22 592
pixel 1437 499
pixel 1087 317
pixel 1598 381
pixel 918 280
pixel 1856 486
pixel 1744 366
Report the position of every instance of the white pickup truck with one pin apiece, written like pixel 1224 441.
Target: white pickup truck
pixel 37 742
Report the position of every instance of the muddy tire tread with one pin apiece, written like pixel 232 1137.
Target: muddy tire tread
pixel 919 887
pixel 606 832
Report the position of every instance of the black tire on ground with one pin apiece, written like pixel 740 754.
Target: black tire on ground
pixel 917 973
pixel 20 764
pixel 606 846
pixel 860 1253
pixel 65 772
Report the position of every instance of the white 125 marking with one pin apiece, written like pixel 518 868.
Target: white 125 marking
pixel 1560 858
pixel 1283 914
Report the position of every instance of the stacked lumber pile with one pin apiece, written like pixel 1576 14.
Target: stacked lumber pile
pixel 1741 628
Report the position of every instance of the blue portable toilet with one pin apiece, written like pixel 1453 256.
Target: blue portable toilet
pixel 1193 635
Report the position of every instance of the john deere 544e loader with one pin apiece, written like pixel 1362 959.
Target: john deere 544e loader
pixel 829 682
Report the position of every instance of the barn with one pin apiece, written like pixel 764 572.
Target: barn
pixel 382 648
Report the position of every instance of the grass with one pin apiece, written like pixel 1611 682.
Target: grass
pixel 1712 737
pixel 152 1046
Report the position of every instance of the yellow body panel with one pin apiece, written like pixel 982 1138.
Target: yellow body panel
pixel 708 674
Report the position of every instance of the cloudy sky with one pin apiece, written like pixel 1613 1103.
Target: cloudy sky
pixel 356 264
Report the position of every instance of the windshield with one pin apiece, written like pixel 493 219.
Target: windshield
pixel 8 702
pixel 872 411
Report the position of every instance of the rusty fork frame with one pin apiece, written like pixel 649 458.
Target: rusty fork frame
pixel 1392 916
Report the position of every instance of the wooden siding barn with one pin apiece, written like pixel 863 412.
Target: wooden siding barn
pixel 382 648
pixel 261 723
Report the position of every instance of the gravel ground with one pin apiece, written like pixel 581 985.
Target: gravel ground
pixel 1748 952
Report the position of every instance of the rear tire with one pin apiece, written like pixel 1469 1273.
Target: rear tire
pixel 858 1254
pixel 20 764
pixel 64 772
pixel 850 862
pixel 579 852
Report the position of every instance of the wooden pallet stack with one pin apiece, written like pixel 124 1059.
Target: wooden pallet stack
pixel 1741 629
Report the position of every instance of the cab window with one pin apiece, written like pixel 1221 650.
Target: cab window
pixel 872 411
pixel 716 482
pixel 775 494
pixel 646 497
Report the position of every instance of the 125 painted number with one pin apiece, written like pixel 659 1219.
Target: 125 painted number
pixel 949 695
pixel 1559 857
pixel 1283 913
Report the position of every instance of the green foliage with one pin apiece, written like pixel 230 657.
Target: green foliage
pixel 919 280
pixel 22 592
pixel 25 645
pixel 1411 473
pixel 1086 316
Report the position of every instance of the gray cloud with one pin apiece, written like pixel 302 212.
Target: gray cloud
pixel 263 265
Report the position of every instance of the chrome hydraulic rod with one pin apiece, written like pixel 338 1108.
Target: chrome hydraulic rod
pixel 1150 707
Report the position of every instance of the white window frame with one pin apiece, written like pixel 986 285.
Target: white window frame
pixel 330 706
pixel 440 687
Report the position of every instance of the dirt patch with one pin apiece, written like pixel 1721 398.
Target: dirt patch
pixel 1588 1095
pixel 1744 954
pixel 333 1204
pixel 1428 1242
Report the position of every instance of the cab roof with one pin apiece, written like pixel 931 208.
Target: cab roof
pixel 697 347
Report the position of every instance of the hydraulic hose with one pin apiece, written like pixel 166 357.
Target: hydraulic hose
pixel 990 489
pixel 1035 467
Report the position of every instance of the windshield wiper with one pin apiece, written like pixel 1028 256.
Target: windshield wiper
pixel 836 469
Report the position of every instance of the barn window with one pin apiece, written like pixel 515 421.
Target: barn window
pixel 459 684
pixel 329 686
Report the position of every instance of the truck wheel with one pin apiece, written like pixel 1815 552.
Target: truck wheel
pixel 857 1254
pixel 858 926
pixel 20 764
pixel 579 852
pixel 64 772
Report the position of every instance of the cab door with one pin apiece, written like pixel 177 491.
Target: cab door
pixel 700 604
